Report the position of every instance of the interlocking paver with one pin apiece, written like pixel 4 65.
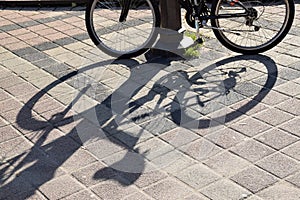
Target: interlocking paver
pixel 279 165
pixel 113 190
pixel 289 88
pixel 137 196
pixel 196 197
pixel 60 187
pixel 254 179
pixel 225 189
pixel 198 176
pixel 84 194
pixel 294 179
pixel 94 174
pixel 252 150
pixel 201 149
pixel 282 191
pixel 293 150
pixel 250 126
pixel 273 116
pixel 7 132
pixel 173 162
pixel 277 138
pixel 292 126
pixel 168 189
pixel 179 136
pixel 226 137
pixel 227 164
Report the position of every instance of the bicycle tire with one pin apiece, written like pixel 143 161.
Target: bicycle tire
pixel 109 34
pixel 264 24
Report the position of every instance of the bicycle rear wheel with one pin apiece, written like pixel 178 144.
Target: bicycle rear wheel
pixel 268 24
pixel 122 28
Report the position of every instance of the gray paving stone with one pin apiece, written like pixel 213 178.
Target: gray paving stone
pixel 198 176
pixel 43 170
pixel 294 179
pixel 2 122
pixel 104 147
pixel 277 138
pixel 247 89
pixel 196 197
pixel 280 191
pixel 279 165
pixel 37 196
pixel 81 37
pixel 14 147
pixel 293 150
pixel 273 98
pixel 158 125
pixel 35 57
pixel 78 159
pixel 133 135
pixel 173 162
pixel 7 133
pixel 28 24
pixel 250 126
pixel 295 66
pixel 254 197
pixel 249 106
pixel 46 20
pixel 168 189
pixel 58 70
pixel 179 136
pixel 25 51
pixel 10 81
pixel 148 178
pixel 154 147
pixel 10 27
pixel 201 149
pixel 45 46
pixel 292 126
pixel 291 105
pixel 64 41
pixel 113 190
pixel 60 187
pixel 22 89
pixel 84 194
pixel 273 116
pixel 226 190
pixel 137 196
pixel 227 164
pixel 93 174
pixel 225 137
pixel 252 150
pixel 254 179
pixel 290 88
pixel 288 74
pixel 19 188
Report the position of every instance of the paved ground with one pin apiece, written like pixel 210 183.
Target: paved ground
pixel 76 124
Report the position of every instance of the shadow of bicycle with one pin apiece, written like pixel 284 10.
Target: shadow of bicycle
pixel 157 96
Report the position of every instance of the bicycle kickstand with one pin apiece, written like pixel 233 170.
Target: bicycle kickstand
pixel 199 40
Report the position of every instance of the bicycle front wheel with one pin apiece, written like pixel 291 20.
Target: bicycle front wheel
pixel 267 23
pixel 122 28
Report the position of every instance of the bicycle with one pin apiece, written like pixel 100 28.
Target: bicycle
pixel 127 28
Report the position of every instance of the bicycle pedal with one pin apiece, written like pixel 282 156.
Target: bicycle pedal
pixel 199 41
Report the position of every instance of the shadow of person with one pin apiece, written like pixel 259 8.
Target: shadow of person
pixel 42 162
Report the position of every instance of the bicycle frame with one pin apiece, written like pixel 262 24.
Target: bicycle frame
pixel 195 7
